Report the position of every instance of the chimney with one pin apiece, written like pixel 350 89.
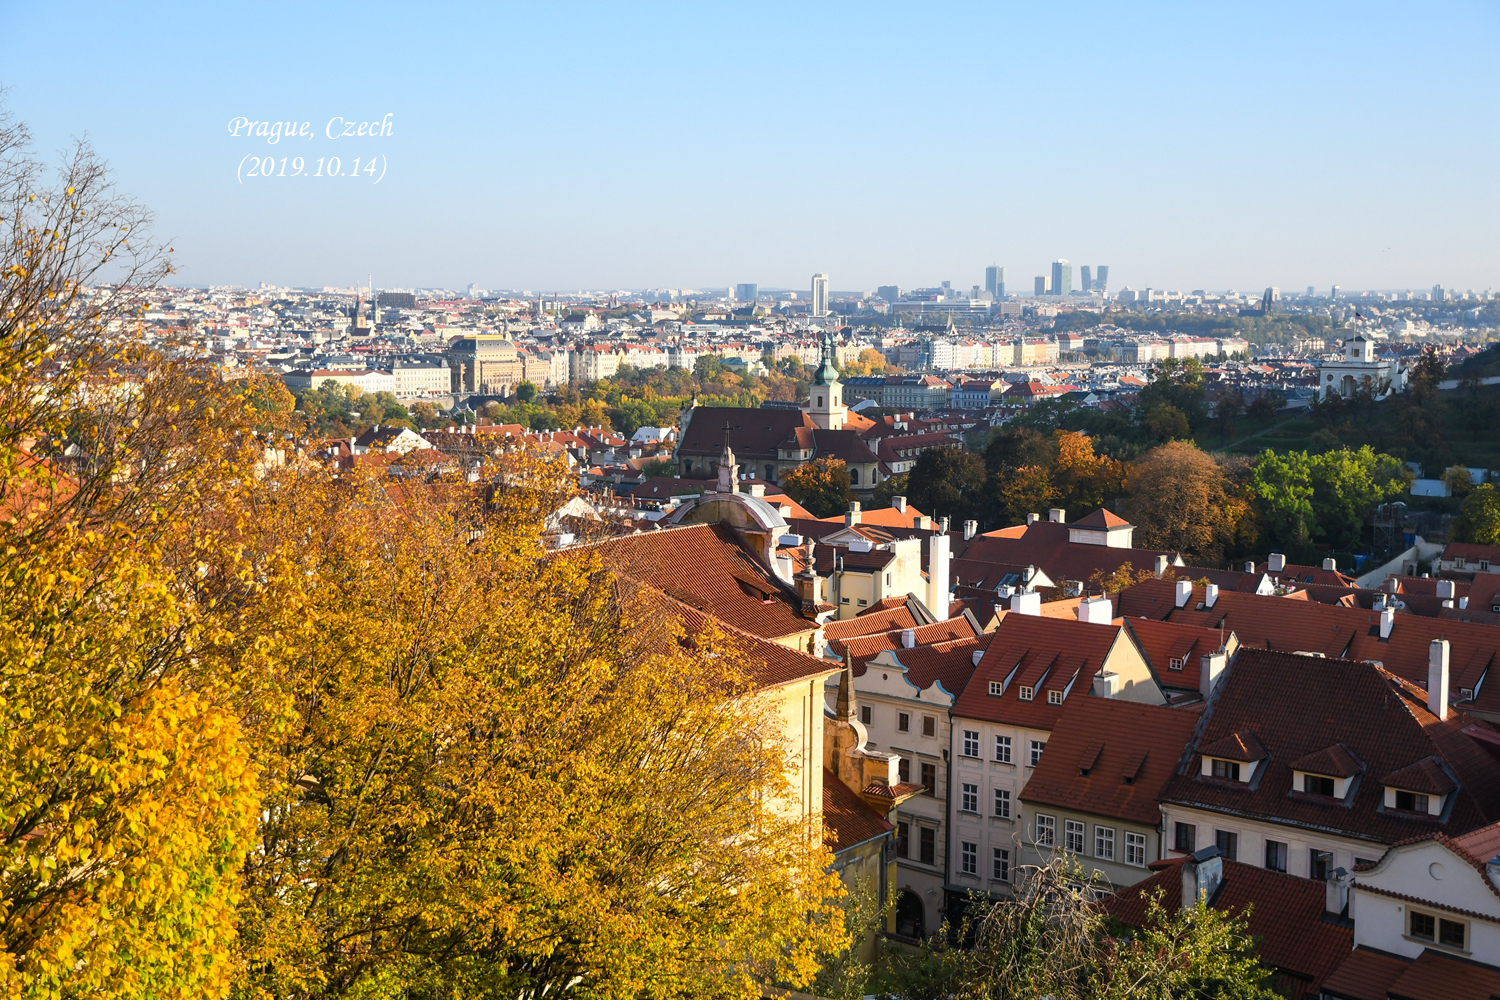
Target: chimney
pixel 922 523
pixel 1277 562
pixel 1211 669
pixel 1096 610
pixel 1336 898
pixel 1022 603
pixel 1249 566
pixel 943 525
pixel 1202 872
pixel 852 518
pixel 1106 684
pixel 1437 678
pixel 937 576
pixel 1331 564
pixel 1463 602
pixel 758 490
pixel 1057 515
pixel 1184 592
pixel 908 638
pixel 1210 594
pixel 1160 565
pixel 971 528
pixel 1445 590
pixel 1033 518
pixel 899 503
pixel 1391 585
pixel 1387 621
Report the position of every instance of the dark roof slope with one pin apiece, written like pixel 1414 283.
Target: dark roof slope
pixel 847 821
pixel 753 433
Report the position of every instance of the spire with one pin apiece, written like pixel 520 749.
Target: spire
pixel 827 372
pixel 729 471
pixel 846 708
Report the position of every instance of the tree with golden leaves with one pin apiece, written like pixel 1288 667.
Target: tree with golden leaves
pixel 821 486
pixel 1181 500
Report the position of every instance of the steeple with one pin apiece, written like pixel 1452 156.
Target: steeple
pixel 729 471
pixel 827 374
pixel 825 402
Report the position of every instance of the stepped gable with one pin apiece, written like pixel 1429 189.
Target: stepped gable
pixel 704 567
pixel 1367 722
pixel 1111 758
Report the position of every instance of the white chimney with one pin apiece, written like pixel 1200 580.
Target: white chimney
pixel 943 525
pixel 758 490
pixel 1106 684
pixel 899 503
pixel 1437 678
pixel 937 576
pixel 1249 567
pixel 1445 590
pixel 1026 604
pixel 1387 622
pixel 1057 515
pixel 1210 594
pixel 1331 564
pixel 1277 562
pixel 1211 668
pixel 908 638
pixel 1336 889
pixel 1161 565
pixel 852 518
pixel 1033 518
pixel 971 528
pixel 1184 592
pixel 1096 610
pixel 1463 602
pixel 1201 876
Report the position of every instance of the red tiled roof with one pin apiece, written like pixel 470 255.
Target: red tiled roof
pixel 1434 976
pixel 1284 912
pixel 1044 545
pixel 1163 642
pixel 1093 745
pixel 1335 761
pixel 1470 552
pixel 948 663
pixel 862 647
pixel 1100 518
pixel 847 821
pixel 1365 975
pixel 880 618
pixel 1242 746
pixel 1426 775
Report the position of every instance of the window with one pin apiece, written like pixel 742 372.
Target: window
pixel 929 778
pixel 1024 693
pixel 1228 843
pixel 853 476
pixel 1317 784
pixel 928 846
pixel 1275 856
pixel 1226 769
pixel 929 726
pixel 1104 843
pixel 1411 801
pixel 1451 933
pixel 970 798
pixel 866 714
pixel 968 857
pixel 1002 803
pixel 1073 836
pixel 903 840
pixel 1046 831
pixel 1037 746
pixel 1185 838
pixel 1458 563
pixel 971 743
pixel 1318 863
pixel 903 769
pixel 1424 926
pixel 1135 849
pixel 903 722
pixel 1175 663
pixel 863 602
pixel 1000 865
pixel 1002 749
pixel 843 600
pixel 997 688
pixel 1054 697
pixel 1484 565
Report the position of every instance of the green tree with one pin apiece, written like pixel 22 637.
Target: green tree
pixel 526 391
pixel 1167 423
pixel 1012 447
pixel 888 489
pixel 1478 520
pixel 1179 384
pixel 1459 480
pixel 1227 409
pixel 949 482
pixel 1304 499
pixel 821 486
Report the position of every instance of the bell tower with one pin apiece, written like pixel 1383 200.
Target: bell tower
pixel 825 397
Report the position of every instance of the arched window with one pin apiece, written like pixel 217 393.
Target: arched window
pixel 853 477
pixel 819 402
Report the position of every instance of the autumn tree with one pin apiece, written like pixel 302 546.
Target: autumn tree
pixel 1180 500
pixel 1019 492
pixel 821 486
pixel 1082 477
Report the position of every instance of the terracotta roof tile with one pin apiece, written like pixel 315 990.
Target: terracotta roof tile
pixel 1336 761
pixel 847 820
pixel 1434 976
pixel 1242 746
pixel 1365 975
pixel 1426 775
pixel 1044 654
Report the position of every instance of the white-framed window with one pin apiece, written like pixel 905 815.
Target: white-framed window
pixel 1002 803
pixel 1411 801
pixel 971 743
pixel 1046 830
pixel 1073 836
pixel 1000 864
pixel 968 857
pixel 1226 769
pixel 1002 749
pixel 997 688
pixel 1104 842
pixel 1037 746
pixel 969 802
pixel 1054 697
pixel 1135 849
pixel 1025 693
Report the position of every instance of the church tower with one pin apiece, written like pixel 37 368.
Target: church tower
pixel 825 397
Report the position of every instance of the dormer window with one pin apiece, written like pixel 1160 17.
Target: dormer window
pixel 1054 697
pixel 1411 801
pixel 1175 663
pixel 1025 693
pixel 997 688
pixel 1229 770
pixel 1317 784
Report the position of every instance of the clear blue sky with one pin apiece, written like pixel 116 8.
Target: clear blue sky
pixel 570 145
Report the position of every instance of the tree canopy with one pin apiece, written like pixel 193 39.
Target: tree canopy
pixel 821 486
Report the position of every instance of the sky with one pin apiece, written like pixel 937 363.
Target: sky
pixel 561 146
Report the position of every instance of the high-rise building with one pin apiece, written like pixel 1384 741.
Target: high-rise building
pixel 1062 277
pixel 889 292
pixel 820 294
pixel 1438 295
pixel 1085 279
pixel 1041 285
pixel 1334 292
pixel 1312 292
pixel 1101 279
pixel 994 280
pixel 746 292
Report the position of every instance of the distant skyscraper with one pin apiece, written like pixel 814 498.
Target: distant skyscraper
pixel 889 292
pixel 1085 278
pixel 1041 285
pixel 746 292
pixel 820 294
pixel 1333 293
pixel 1062 277
pixel 1438 295
pixel 994 281
pixel 1101 279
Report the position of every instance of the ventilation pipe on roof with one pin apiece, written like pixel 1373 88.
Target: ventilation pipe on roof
pixel 1210 595
pixel 1057 515
pixel 1437 678
pixel 971 528
pixel 1387 621
pixel 908 638
pixel 1096 610
pixel 1277 562
pixel 1445 590
pixel 1331 564
pixel 1184 592
pixel 1211 668
pixel 899 503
